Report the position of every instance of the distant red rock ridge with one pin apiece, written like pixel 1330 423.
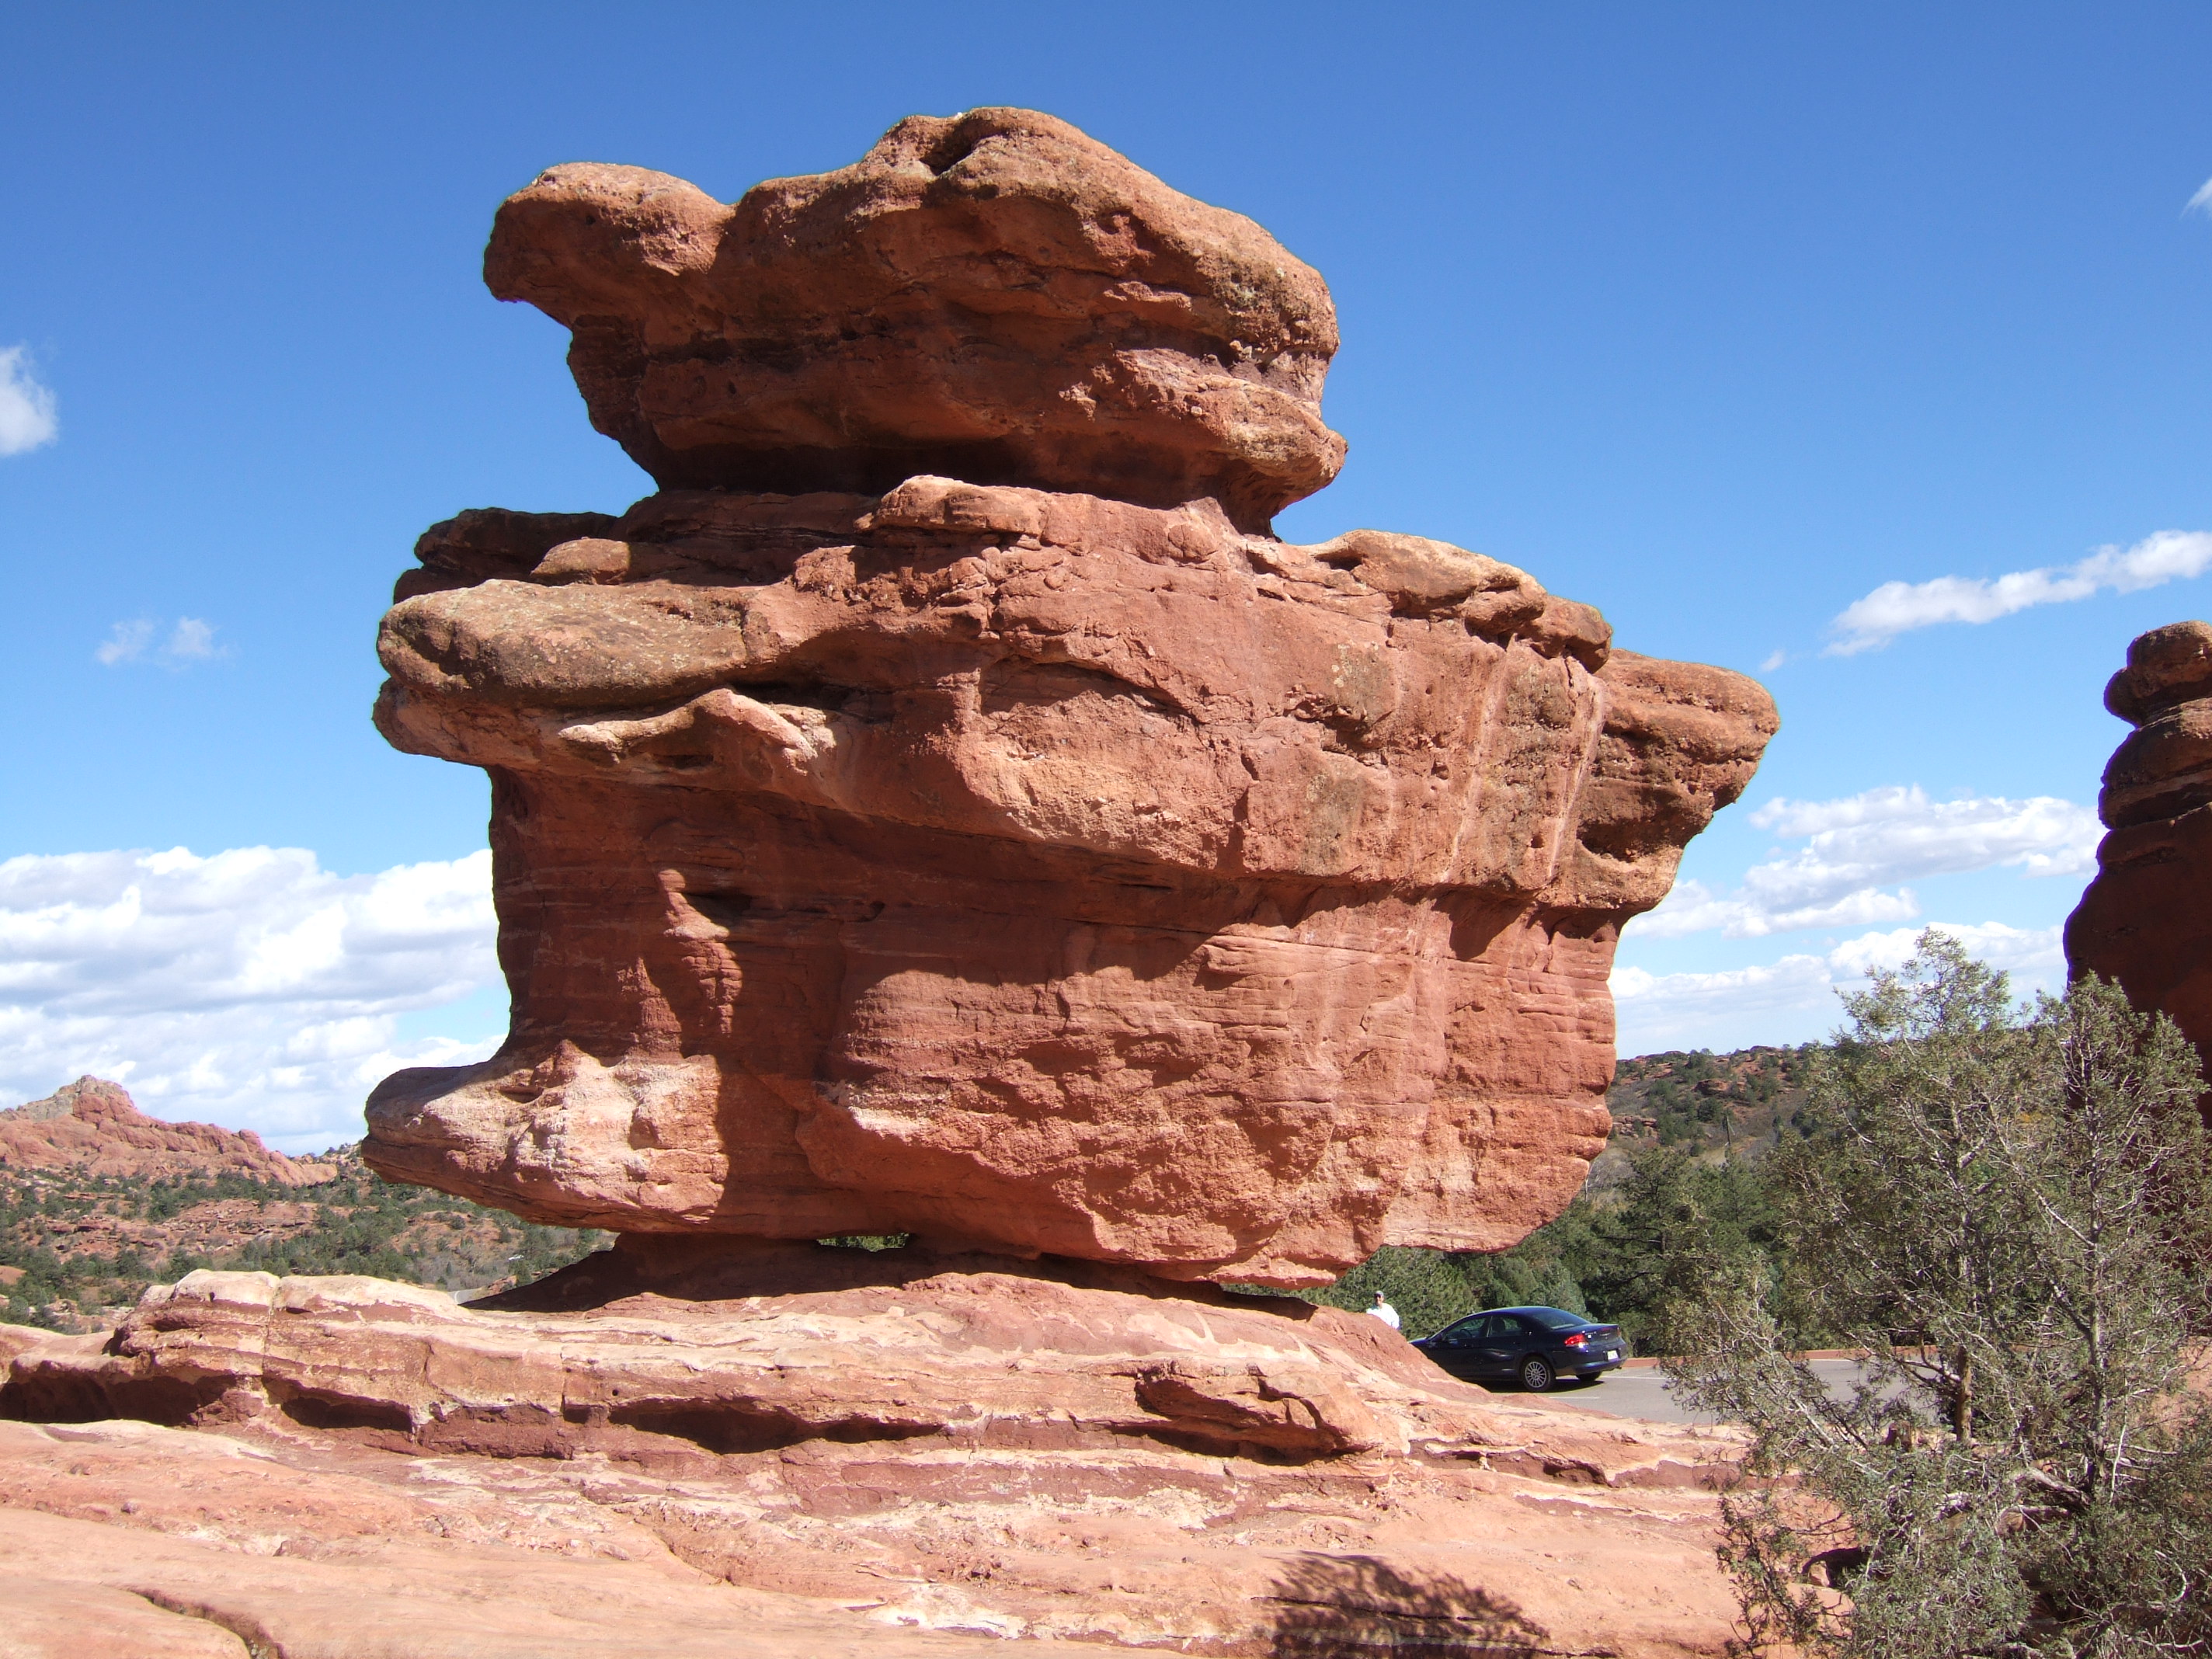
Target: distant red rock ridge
pixel 93 1127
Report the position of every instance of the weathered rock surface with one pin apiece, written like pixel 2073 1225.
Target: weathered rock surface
pixel 995 295
pixel 1044 870
pixel 313 1551
pixel 94 1127
pixel 2146 920
pixel 832 1446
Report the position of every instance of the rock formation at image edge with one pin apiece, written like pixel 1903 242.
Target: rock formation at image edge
pixel 2146 919
pixel 945 808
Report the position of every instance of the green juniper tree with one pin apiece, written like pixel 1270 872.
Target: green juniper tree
pixel 2013 1214
pixel 1674 1227
pixel 1635 1255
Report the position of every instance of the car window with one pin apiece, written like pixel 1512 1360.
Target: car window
pixel 1504 1326
pixel 1557 1319
pixel 1459 1335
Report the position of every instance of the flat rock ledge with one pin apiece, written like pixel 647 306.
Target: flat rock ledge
pixel 797 1450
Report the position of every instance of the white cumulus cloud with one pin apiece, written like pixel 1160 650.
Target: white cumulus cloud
pixel 1897 608
pixel 27 408
pixel 190 642
pixel 2030 954
pixel 1660 1011
pixel 1795 982
pixel 251 989
pixel 126 642
pixel 1694 907
pixel 1859 850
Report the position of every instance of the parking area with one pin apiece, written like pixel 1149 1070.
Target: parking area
pixel 1642 1391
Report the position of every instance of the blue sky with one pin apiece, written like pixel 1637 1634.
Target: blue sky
pixel 1720 318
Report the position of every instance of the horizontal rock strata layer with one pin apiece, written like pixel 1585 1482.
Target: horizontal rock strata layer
pixel 1126 1469
pixel 752 1349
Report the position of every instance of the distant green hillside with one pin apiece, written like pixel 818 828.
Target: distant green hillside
pixel 76 1250
pixel 1706 1101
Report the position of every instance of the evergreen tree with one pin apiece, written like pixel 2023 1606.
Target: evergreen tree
pixel 2010 1213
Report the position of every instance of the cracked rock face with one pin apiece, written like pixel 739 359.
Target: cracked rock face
pixel 1028 858
pixel 2146 920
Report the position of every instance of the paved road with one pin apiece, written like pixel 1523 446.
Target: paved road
pixel 1643 1392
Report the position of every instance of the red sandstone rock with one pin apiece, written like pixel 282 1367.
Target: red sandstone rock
pixel 995 295
pixel 1049 872
pixel 2146 920
pixel 798 1437
pixel 93 1127
pixel 1027 869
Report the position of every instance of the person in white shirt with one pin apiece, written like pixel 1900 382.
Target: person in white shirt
pixel 1383 1311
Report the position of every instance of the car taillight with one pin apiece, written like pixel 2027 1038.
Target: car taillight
pixel 1577 1339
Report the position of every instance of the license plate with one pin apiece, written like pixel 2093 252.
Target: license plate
pixel 1613 1353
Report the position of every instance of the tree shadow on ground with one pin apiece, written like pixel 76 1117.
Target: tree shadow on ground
pixel 1349 1606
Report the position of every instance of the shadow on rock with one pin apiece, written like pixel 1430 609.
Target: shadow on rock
pixel 1337 1607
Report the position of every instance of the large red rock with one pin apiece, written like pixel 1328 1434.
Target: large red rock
pixel 92 1126
pixel 2146 920
pixel 1075 871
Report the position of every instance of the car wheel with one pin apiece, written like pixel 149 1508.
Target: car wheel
pixel 1535 1375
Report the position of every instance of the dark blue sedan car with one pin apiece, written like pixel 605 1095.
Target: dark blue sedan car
pixel 1533 1346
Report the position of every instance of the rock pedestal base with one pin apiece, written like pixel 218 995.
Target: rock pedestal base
pixel 816 1451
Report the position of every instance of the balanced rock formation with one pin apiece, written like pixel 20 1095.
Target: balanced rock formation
pixel 92 1126
pixel 947 810
pixel 2146 920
